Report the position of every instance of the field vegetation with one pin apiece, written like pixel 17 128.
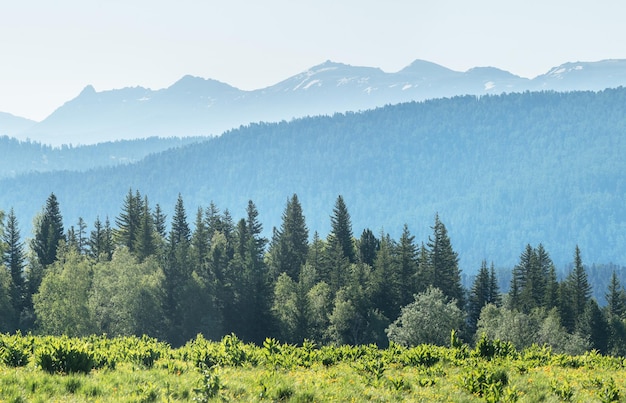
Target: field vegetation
pixel 133 369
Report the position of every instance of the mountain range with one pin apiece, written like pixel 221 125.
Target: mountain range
pixel 502 171
pixel 195 106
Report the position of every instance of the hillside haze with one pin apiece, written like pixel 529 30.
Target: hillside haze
pixel 196 106
pixel 501 171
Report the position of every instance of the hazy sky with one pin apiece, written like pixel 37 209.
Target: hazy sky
pixel 50 50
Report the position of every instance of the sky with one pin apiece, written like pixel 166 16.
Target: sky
pixel 51 50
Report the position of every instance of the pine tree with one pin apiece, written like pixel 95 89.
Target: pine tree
pixel 145 244
pixel 593 326
pixel 522 282
pixel 291 244
pixel 159 221
pixel 579 286
pixel 406 255
pixel 341 230
pixel 177 272
pixel 129 221
pixel 386 281
pixel 14 260
pixel 479 295
pixel 96 240
pixel 49 232
pixel 445 263
pixel 368 247
pixel 616 298
pixel 200 243
pixel 81 239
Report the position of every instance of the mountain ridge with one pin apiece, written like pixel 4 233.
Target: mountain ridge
pixel 500 170
pixel 194 106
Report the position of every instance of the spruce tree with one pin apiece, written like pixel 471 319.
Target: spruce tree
pixel 291 244
pixel 445 263
pixel 129 220
pixel 14 260
pixel 368 247
pixel 49 232
pixel 616 298
pixel 579 286
pixel 177 270
pixel 341 230
pixel 479 295
pixel 406 255
pixel 145 244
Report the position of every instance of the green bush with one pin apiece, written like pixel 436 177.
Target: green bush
pixel 15 350
pixel 64 355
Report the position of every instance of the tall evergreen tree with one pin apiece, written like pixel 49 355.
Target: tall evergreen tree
pixel 406 255
pixel 445 263
pixel 96 240
pixel 49 232
pixel 14 260
pixel 368 247
pixel 177 272
pixel 341 230
pixel 159 221
pixel 291 245
pixel 385 285
pixel 81 236
pixel 579 286
pixel 145 244
pixel 129 220
pixel 484 291
pixel 616 298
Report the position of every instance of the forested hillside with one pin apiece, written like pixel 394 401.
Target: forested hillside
pixel 19 157
pixel 501 171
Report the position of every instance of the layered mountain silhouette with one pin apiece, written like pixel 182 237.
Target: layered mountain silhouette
pixel 195 106
pixel 11 125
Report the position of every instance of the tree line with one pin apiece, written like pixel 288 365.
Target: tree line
pixel 133 276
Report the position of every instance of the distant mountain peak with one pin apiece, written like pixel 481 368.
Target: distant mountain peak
pixel 197 106
pixel 88 90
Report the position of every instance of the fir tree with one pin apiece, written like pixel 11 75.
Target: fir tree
pixel 14 260
pixel 406 255
pixel 444 262
pixel 145 242
pixel 129 220
pixel 616 298
pixel 579 285
pixel 49 232
pixel 341 230
pixel 291 244
pixel 368 247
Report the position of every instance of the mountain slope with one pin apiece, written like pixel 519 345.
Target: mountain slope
pixel 195 106
pixel 19 157
pixel 501 171
pixel 11 125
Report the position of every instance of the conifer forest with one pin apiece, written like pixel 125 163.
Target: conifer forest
pixel 210 274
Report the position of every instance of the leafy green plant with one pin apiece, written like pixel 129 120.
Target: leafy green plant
pixel 609 392
pixel 15 350
pixel 64 355
pixel 563 390
pixel 210 386
pixel 485 382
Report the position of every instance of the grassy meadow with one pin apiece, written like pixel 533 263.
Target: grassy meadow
pixel 131 369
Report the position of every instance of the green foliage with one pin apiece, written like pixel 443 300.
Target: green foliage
pixel 487 382
pixel 491 349
pixel 64 355
pixel 210 385
pixel 15 350
pixel 429 319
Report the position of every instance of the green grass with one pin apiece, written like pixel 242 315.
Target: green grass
pixel 233 371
